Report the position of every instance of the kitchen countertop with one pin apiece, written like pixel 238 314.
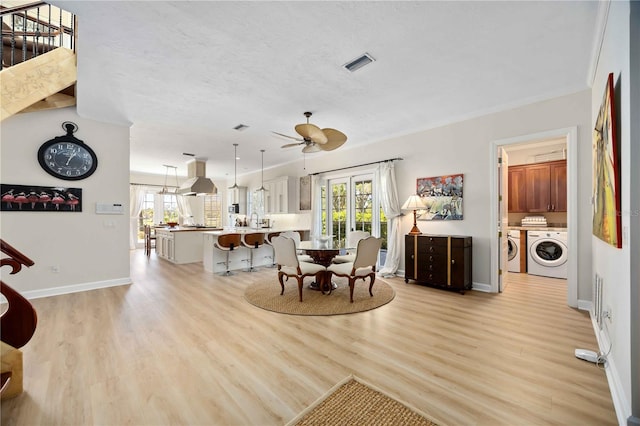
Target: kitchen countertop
pixel 246 230
pixel 188 229
pixel 537 228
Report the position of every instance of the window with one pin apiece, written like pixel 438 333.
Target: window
pixel 213 211
pixel 170 208
pixel 146 214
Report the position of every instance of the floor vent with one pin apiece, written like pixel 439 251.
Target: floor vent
pixel 597 300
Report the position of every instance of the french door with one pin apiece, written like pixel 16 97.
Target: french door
pixel 352 205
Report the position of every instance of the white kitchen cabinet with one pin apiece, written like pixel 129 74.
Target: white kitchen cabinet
pixel 180 245
pixel 238 196
pixel 281 195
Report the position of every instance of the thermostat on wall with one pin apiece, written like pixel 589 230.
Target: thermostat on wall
pixel 109 208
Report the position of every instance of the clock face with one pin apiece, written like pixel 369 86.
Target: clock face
pixel 67 160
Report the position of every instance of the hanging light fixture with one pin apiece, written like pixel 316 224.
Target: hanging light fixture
pixel 262 188
pixel 165 188
pixel 235 166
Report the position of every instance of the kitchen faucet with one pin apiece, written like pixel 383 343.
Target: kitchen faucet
pixel 257 225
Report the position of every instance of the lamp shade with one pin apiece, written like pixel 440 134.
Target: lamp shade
pixel 414 202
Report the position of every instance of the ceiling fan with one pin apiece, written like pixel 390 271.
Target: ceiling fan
pixel 314 138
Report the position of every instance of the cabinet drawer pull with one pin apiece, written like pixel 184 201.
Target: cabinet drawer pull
pixel 453 261
pixel 431 249
pixel 413 256
pixel 430 258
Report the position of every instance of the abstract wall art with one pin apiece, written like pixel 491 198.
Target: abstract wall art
pixel 606 172
pixel 443 197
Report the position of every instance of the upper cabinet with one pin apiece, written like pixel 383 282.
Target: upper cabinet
pixel 238 196
pixel 538 188
pixel 280 196
pixel 517 190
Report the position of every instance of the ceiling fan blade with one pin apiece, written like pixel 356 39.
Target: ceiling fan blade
pixel 288 137
pixel 312 132
pixel 289 145
pixel 335 139
pixel 313 147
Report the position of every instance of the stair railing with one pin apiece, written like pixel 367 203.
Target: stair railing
pixel 34 29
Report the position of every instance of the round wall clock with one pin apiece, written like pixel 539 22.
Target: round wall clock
pixel 67 157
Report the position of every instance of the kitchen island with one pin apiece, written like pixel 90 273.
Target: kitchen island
pixel 181 244
pixel 214 260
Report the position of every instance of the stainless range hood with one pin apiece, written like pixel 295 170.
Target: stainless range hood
pixel 197 182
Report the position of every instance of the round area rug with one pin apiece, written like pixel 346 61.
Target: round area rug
pixel 266 295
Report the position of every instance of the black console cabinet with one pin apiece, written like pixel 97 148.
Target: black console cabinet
pixel 438 260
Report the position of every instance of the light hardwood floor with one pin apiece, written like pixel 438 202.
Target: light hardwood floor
pixel 181 346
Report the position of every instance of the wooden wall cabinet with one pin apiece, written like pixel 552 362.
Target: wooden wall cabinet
pixel 538 188
pixel 517 190
pixel 442 261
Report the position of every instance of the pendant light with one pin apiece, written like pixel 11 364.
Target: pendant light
pixel 262 188
pixel 235 166
pixel 165 189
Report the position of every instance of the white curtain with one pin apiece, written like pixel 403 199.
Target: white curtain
pixel 391 208
pixel 184 207
pixel 136 197
pixel 316 205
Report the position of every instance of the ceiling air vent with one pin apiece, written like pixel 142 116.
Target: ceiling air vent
pixel 358 63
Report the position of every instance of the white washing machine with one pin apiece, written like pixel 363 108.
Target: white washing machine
pixel 513 238
pixel 547 253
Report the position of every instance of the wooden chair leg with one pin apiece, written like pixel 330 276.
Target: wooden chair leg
pixel 300 284
pixel 352 284
pixel 373 279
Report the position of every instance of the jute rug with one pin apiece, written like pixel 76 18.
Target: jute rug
pixel 354 402
pixel 266 295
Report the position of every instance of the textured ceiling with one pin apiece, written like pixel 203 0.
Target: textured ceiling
pixel 183 74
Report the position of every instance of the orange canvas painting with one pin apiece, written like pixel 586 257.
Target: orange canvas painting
pixel 606 175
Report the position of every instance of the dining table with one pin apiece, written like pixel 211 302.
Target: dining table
pixel 322 252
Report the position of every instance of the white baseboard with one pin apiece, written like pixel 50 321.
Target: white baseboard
pixel 585 305
pixel 481 287
pixel 55 291
pixel 620 402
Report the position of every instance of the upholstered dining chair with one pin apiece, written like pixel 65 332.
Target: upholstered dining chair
pixel 352 242
pixel 227 243
pixel 270 236
pixel 289 265
pixel 295 236
pixel 362 267
pixel 252 241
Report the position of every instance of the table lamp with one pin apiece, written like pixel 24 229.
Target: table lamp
pixel 415 202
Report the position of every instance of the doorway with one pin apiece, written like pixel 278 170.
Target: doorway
pixel 569 135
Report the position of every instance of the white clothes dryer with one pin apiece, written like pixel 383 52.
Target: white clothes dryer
pixel 547 253
pixel 513 238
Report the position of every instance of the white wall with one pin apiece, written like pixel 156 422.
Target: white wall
pixel 464 148
pixel 90 250
pixel 611 263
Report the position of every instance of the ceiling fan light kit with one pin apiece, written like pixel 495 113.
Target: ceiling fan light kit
pixel 314 138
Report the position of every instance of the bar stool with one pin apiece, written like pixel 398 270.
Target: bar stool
pixel 268 241
pixel 252 241
pixel 227 243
